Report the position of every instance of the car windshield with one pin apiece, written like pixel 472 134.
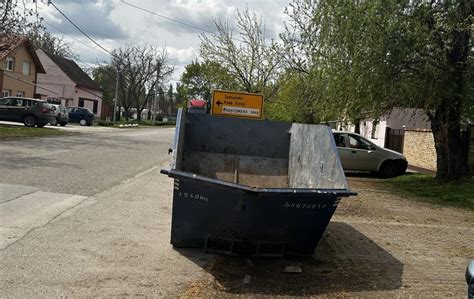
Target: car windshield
pixel 87 110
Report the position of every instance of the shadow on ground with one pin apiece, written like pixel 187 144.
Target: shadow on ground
pixel 344 261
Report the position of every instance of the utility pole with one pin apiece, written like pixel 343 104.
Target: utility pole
pixel 156 101
pixel 116 96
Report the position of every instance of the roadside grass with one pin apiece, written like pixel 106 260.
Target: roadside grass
pixel 15 132
pixel 425 187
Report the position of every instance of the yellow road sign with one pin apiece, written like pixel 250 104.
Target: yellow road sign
pixel 237 104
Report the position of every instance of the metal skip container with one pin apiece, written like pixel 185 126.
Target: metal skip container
pixel 251 187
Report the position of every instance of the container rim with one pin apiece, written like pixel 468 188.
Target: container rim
pixel 344 192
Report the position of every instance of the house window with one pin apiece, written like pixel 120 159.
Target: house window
pixel 20 94
pixel 6 93
pixel 26 68
pixel 10 64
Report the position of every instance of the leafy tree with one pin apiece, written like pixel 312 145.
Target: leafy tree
pixel 105 76
pixel 300 99
pixel 161 100
pixel 376 55
pixel 251 60
pixel 200 78
pixel 170 99
pixel 181 95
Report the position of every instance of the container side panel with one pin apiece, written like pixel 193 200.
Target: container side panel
pixel 313 159
pixel 263 172
pixel 178 142
pixel 202 210
pixel 212 165
pixel 214 134
pixel 246 170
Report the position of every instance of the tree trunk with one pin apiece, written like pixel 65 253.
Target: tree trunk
pixel 126 114
pixel 452 162
pixel 451 159
pixel 139 114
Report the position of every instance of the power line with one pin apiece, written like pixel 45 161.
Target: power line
pixel 82 31
pixel 77 58
pixel 27 82
pixel 166 18
pixel 174 20
pixel 72 37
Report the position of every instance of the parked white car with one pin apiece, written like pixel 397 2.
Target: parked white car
pixel 359 154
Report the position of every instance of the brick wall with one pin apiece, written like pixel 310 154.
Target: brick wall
pixel 419 149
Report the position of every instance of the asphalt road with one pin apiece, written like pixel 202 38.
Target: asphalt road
pixel 84 164
pixel 89 215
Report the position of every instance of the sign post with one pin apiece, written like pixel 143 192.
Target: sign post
pixel 237 104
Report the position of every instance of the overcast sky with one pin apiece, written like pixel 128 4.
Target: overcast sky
pixel 114 24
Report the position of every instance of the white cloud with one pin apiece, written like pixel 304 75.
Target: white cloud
pixel 93 17
pixel 114 24
pixel 182 56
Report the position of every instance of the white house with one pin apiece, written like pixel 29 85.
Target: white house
pixel 377 129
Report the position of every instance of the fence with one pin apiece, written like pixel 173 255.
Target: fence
pixel 419 149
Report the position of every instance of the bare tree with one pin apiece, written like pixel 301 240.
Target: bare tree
pixel 140 68
pixel 42 39
pixel 15 17
pixel 249 58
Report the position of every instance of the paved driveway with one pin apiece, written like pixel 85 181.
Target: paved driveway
pixel 378 244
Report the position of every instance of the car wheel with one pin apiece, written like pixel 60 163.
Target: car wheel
pixel 62 124
pixel 54 122
pixel 388 169
pixel 29 121
pixel 83 122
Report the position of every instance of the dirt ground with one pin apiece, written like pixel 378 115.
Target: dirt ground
pixel 378 244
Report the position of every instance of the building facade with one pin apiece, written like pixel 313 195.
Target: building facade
pixel 19 67
pixel 67 84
